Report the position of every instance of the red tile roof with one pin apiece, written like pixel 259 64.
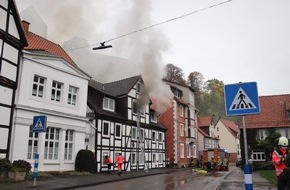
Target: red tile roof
pixel 204 121
pixel 231 125
pixel 38 43
pixel 273 113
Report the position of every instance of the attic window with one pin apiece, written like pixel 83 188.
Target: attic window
pixel 108 104
pixel 138 87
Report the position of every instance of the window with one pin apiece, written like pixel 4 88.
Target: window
pixel 134 107
pixel 51 146
pixel 153 117
pixel 106 129
pixel 181 110
pixel 141 158
pixel 258 155
pixel 153 136
pixel 134 158
pixel 154 158
pixel 194 151
pixel 160 137
pixel 134 133
pixel 141 137
pixel 38 86
pixel 68 145
pixel 105 153
pixel 181 130
pixel 72 95
pixel 32 145
pixel 217 128
pixel 118 132
pixel 138 87
pixel 56 91
pixel 108 104
pixel 181 150
pixel 160 158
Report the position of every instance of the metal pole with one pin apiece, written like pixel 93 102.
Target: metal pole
pixel 247 167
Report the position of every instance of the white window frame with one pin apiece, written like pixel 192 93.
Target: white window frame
pixel 160 137
pixel 138 88
pixel 52 143
pixel 72 95
pixel 68 145
pixel 181 108
pixel 120 135
pixel 181 129
pixel 38 86
pixel 56 91
pixel 153 136
pixel 154 158
pixel 32 145
pixel 141 135
pixel 153 117
pixel 134 133
pixel 103 128
pixel 108 104
pixel 134 158
pixel 258 155
pixel 182 151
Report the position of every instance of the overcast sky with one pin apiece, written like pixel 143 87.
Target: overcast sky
pixel 239 41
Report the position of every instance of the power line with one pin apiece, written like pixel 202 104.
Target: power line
pixel 157 24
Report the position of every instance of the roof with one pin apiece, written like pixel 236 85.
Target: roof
pixel 116 88
pixel 273 113
pixel 231 127
pixel 204 121
pixel 38 43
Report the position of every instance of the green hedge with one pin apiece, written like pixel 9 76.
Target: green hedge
pixel 85 161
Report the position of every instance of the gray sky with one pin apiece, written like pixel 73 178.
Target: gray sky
pixel 240 41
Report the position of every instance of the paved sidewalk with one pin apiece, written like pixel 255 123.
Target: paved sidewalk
pixel 235 180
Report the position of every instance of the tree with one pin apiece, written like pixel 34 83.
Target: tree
pixel 212 101
pixel 195 80
pixel 174 74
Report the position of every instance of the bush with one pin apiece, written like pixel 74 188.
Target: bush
pixel 85 161
pixel 5 164
pixel 20 166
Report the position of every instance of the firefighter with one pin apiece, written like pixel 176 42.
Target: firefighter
pixel 109 163
pixel 119 163
pixel 278 157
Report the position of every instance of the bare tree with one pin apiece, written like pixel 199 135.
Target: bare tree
pixel 174 74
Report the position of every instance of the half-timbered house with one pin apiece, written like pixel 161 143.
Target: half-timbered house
pixel 123 121
pixel 12 41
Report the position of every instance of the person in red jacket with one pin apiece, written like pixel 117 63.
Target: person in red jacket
pixel 119 162
pixel 109 163
pixel 278 156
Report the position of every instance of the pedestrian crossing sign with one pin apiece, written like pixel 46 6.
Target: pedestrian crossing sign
pixel 241 99
pixel 39 123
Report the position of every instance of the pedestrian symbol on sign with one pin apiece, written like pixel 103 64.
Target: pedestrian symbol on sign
pixel 242 101
pixel 38 125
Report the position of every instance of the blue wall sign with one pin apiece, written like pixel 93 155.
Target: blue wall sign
pixel 39 123
pixel 241 99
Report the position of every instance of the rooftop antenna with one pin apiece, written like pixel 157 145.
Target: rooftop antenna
pixel 102 46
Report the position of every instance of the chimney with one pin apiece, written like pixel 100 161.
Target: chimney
pixel 25 25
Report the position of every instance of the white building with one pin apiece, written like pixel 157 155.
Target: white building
pixel 50 84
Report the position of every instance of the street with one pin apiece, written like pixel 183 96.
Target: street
pixel 177 180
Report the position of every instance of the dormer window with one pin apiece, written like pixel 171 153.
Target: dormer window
pixel 153 117
pixel 108 104
pixel 177 93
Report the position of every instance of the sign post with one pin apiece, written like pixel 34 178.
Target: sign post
pixel 38 126
pixel 242 99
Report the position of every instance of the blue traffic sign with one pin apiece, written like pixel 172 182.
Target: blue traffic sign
pixel 39 123
pixel 241 99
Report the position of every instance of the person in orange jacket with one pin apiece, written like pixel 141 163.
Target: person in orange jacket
pixel 109 163
pixel 278 156
pixel 119 162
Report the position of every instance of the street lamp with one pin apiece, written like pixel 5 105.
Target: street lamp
pixel 102 46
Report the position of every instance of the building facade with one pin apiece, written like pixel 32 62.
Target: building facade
pixel 123 122
pixel 12 41
pixel 180 121
pixel 228 134
pixel 51 85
